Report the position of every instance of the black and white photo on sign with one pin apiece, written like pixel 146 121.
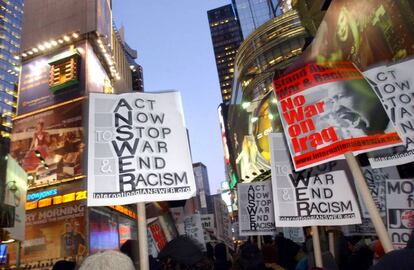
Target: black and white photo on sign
pixel 256 214
pixel 138 149
pixel 317 196
pixel 400 210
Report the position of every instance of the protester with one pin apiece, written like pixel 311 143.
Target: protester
pixel 183 254
pixel 402 259
pixel 287 251
pixel 308 262
pixel 220 256
pixel 361 255
pixel 210 251
pixel 64 265
pixel 269 252
pixel 107 260
pixel 250 258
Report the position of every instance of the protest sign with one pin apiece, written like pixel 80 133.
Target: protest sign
pixel 256 214
pixel 314 197
pixel 295 234
pixel 400 210
pixel 138 149
pixel 223 222
pixel 375 179
pixel 177 214
pixel 194 229
pixel 394 86
pixel 329 111
pixel 366 228
pixel 158 237
pixel 207 221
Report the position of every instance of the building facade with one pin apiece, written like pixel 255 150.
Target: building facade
pixel 11 13
pixel 69 49
pixel 226 37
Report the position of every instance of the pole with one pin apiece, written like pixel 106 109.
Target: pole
pixel 18 252
pixel 259 242
pixel 331 242
pixel 316 247
pixel 369 202
pixel 142 237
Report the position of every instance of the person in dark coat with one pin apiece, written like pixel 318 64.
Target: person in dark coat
pixel 220 255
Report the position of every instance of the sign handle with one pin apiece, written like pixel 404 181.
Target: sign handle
pixel 369 202
pixel 142 237
pixel 331 239
pixel 317 247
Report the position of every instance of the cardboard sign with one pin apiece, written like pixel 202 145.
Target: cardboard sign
pixel 375 179
pixel 400 210
pixel 327 111
pixel 256 214
pixel 394 85
pixel 194 229
pixel 314 197
pixel 138 149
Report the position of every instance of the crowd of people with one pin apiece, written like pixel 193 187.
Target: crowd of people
pixel 277 253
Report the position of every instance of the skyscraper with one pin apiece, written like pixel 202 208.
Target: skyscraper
pixel 10 32
pixel 226 37
pixel 254 13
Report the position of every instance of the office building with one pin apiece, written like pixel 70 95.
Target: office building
pixel 226 37
pixel 11 13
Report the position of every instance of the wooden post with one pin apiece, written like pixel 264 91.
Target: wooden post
pixel 376 219
pixel 317 247
pixel 142 237
pixel 331 238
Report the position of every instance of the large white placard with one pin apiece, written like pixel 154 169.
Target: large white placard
pixel 256 214
pixel 194 229
pixel 223 222
pixel 400 210
pixel 314 197
pixel 394 84
pixel 138 149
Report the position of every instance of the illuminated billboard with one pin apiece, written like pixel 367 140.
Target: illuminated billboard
pixel 49 145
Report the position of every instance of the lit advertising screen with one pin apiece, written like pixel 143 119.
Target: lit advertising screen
pixel 103 231
pixel 49 145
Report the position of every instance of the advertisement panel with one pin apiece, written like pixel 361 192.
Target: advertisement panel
pixel 138 149
pixel 49 145
pixel 256 214
pixel 103 231
pixel 394 86
pixel 400 210
pixel 327 111
pixel 15 195
pixel 364 32
pixel 39 89
pixel 319 196
pixel 54 232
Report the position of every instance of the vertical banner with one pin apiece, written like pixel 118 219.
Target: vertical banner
pixel 223 222
pixel 317 196
pixel 16 189
pixel 194 229
pixel 256 214
pixel 400 210
pixel 394 86
pixel 375 179
pixel 207 221
pixel 327 111
pixel 138 149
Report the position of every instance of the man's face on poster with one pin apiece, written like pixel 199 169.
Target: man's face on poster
pixel 343 28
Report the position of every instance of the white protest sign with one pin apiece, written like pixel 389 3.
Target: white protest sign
pixel 375 179
pixel 138 149
pixel 400 210
pixel 177 214
pixel 194 229
pixel 366 228
pixel 256 214
pixel 394 85
pixel 314 197
pixel 223 222
pixel 207 221
pixel 295 234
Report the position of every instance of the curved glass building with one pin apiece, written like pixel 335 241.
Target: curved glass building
pixel 252 112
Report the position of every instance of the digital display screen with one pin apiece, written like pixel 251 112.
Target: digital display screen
pixel 103 231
